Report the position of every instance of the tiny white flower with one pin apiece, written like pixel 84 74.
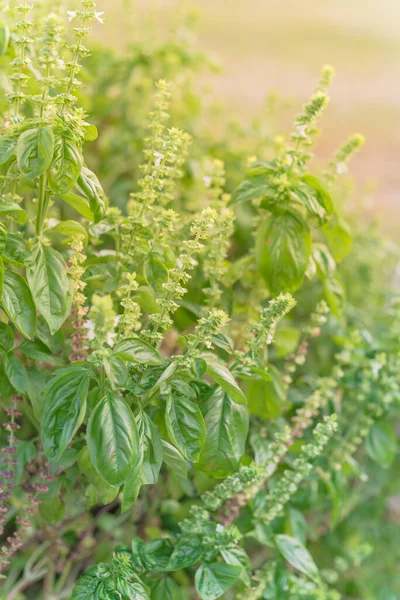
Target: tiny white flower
pixel 71 14
pixel 110 338
pixel 341 168
pixel 207 181
pixel 219 528
pixel 270 338
pixel 159 158
pixel 99 17
pixel 89 325
pixel 302 130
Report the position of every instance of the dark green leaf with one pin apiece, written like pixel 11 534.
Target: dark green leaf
pixel 16 374
pixel 89 186
pixel 283 251
pixel 174 460
pixel 106 493
pixel 382 444
pixel 239 558
pixel 3 237
pixel 80 204
pixel 6 337
pixel 18 304
pixel 64 408
pixel 39 351
pixel 150 442
pixel 66 166
pixel 221 375
pixel 13 210
pixel 113 439
pixel 155 272
pixel 16 251
pixel 187 552
pixel 266 398
pixel 227 425
pixel 166 589
pixel 137 350
pixel 324 197
pixel 185 425
pixel 50 286
pixel 213 580
pixel 35 151
pixel 116 371
pixel 7 148
pixel 132 486
pixel 297 555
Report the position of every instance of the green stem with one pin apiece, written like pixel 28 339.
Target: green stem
pixel 43 204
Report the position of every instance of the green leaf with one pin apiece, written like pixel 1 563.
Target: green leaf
pixel 3 237
pixel 221 375
pixel 132 486
pixel 50 286
pixel 7 148
pixel 116 371
pixel 381 444
pixel 113 439
pixel 6 337
pixel 13 210
pixel 2 272
pixel 36 350
pixel 18 304
pixel 283 251
pixel 213 580
pixel 239 558
pixel 324 261
pixel 137 350
pixel 250 189
pixel 16 373
pixel 335 296
pixel 70 229
pixel 81 205
pixel 89 186
pixel 155 555
pixel 187 552
pixel 339 237
pixel 324 197
pixel 155 272
pixel 16 251
pixel 185 425
pixel 227 425
pixel 4 38
pixel 174 460
pixel 66 166
pixel 266 398
pixel 297 555
pixel 150 443
pixel 35 151
pixel 105 492
pixel 64 408
pixel 166 589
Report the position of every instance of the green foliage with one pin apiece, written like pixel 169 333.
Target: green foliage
pixel 176 423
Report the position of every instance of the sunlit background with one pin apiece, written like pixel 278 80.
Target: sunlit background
pixel 266 45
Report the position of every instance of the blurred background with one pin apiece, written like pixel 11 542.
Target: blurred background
pixel 266 45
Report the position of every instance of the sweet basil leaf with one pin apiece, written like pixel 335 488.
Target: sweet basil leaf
pixel 6 337
pixel 40 352
pixel 324 197
pixel 382 444
pixel 213 580
pixel 35 151
pixel 16 251
pixel 89 186
pixel 50 286
pixel 12 209
pixel 113 439
pixel 132 486
pixel 297 555
pixel 239 558
pixel 64 408
pixel 150 442
pixel 7 148
pixel 174 460
pixel 18 304
pixel 105 492
pixel 221 375
pixel 137 350
pixel 80 204
pixel 187 552
pixel 166 589
pixel 283 251
pixel 227 426
pixel 16 374
pixel 65 167
pixel 185 425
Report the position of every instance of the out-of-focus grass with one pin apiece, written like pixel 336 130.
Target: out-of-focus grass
pixel 271 44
